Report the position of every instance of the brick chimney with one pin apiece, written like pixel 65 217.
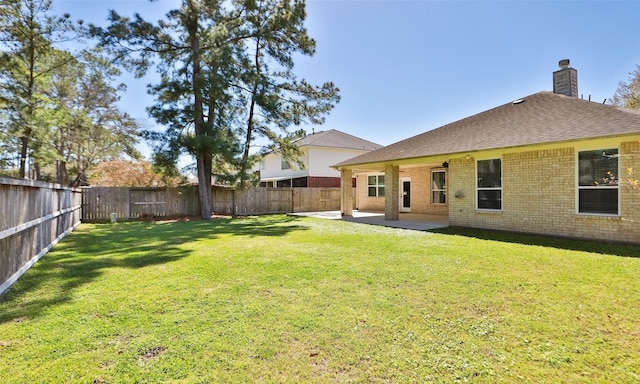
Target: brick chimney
pixel 565 80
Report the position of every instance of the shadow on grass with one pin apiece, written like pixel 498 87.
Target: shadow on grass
pixel 85 254
pixel 544 241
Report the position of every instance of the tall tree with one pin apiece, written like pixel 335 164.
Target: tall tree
pixel 27 37
pixel 7 143
pixel 628 93
pixel 276 98
pixel 178 42
pixel 209 91
pixel 89 126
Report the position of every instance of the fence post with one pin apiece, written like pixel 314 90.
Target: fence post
pixel 234 213
pixel 292 202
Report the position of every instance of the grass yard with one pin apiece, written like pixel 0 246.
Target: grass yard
pixel 286 300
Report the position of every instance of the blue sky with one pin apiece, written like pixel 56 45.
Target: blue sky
pixel 405 67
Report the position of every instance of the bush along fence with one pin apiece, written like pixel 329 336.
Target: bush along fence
pixel 34 216
pixel 107 203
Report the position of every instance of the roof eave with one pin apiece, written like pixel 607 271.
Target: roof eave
pixel 437 157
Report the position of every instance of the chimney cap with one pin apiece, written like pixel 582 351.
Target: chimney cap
pixel 564 63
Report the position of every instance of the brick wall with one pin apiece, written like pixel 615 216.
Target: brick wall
pixel 363 201
pixel 325 182
pixel 539 196
pixel 420 192
pixel 461 178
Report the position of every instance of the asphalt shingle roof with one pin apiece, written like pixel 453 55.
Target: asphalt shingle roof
pixel 544 117
pixel 336 139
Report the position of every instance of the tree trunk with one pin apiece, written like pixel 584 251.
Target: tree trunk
pixel 247 144
pixel 62 176
pixel 36 172
pixel 204 187
pixel 245 155
pixel 24 146
pixel 203 155
pixel 26 138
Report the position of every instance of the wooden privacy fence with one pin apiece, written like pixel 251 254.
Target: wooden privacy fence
pixel 99 203
pixel 34 216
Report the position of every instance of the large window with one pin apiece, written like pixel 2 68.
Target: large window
pixel 489 173
pixel 375 186
pixel 438 187
pixel 598 182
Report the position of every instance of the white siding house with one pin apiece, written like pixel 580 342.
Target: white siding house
pixel 320 151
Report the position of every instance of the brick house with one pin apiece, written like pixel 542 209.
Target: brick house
pixel 549 163
pixel 320 150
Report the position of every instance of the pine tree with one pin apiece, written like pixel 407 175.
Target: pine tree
pixel 89 127
pixel 222 65
pixel 277 99
pixel 28 35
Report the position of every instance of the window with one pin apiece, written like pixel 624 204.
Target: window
pixel 375 186
pixel 263 165
pixel 489 173
pixel 286 183
pixel 598 181
pixel 438 187
pixel 284 164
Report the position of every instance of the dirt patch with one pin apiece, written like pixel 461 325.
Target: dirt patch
pixel 150 353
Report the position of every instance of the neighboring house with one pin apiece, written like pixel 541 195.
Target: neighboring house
pixel 320 150
pixel 549 163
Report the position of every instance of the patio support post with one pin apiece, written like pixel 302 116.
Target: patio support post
pixel 346 192
pixel 392 192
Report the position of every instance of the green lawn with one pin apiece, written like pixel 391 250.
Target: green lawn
pixel 278 299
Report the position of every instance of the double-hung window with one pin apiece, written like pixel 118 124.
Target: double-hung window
pixel 284 164
pixel 489 187
pixel 375 186
pixel 598 190
pixel 438 187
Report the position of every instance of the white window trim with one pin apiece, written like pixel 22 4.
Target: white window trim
pixel 284 161
pixel 446 198
pixel 579 187
pixel 377 185
pixel 492 188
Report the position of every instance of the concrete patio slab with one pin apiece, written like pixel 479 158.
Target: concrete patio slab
pixel 415 221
